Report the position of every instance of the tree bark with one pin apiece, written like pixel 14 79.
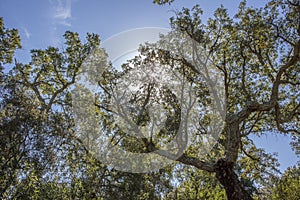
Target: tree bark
pixel 228 178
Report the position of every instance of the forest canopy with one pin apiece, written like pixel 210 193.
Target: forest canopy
pixel 47 128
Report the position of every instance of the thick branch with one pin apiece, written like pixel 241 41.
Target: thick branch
pixel 255 106
pixel 185 159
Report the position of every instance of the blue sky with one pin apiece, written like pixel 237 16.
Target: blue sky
pixel 42 23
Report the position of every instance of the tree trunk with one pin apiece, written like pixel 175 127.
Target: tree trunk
pixel 228 178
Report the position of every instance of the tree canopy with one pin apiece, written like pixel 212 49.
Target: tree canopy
pixel 256 53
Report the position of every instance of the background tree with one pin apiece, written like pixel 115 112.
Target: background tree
pixel 9 42
pixel 288 185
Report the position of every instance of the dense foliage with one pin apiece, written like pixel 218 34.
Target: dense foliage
pixel 257 52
